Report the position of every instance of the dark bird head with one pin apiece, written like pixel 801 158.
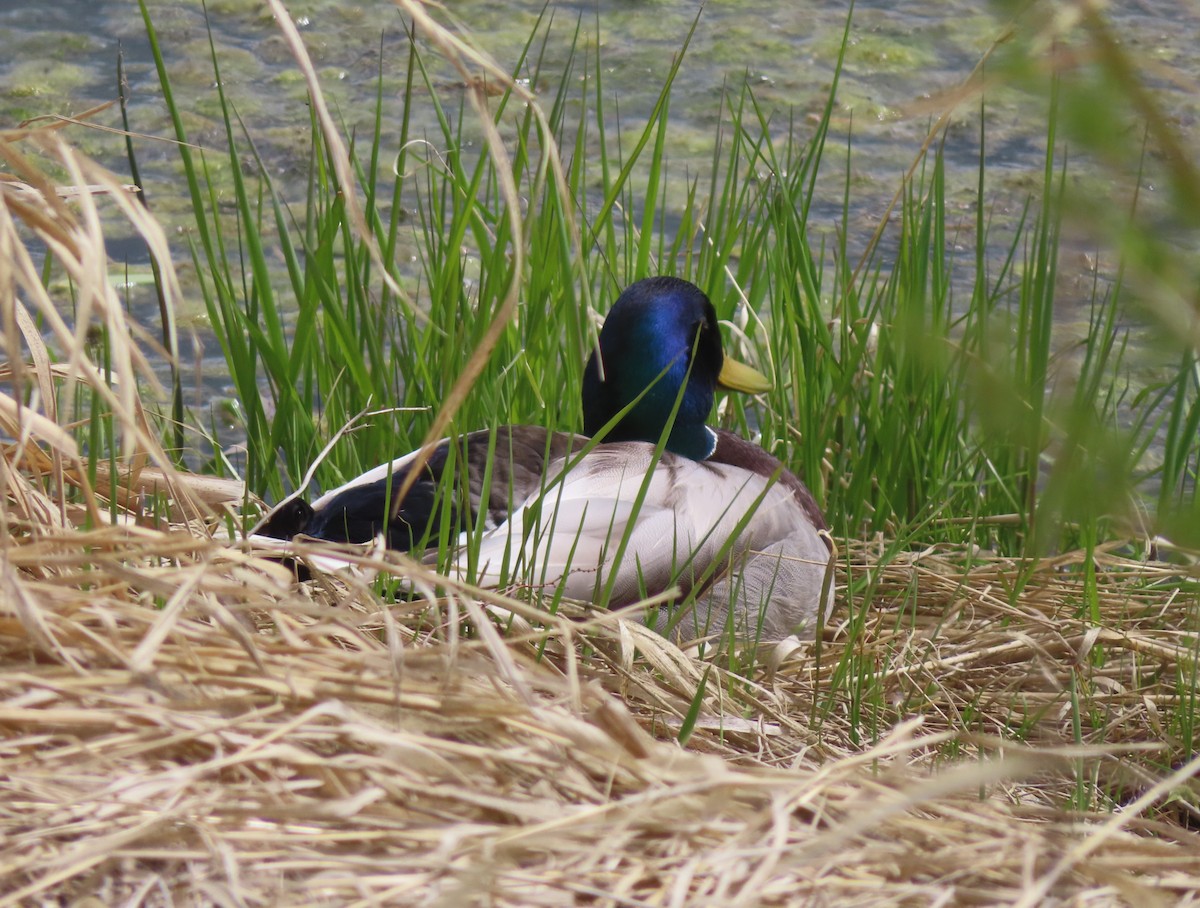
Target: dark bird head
pixel 661 335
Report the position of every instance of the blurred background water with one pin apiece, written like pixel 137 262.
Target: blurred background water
pixel 904 62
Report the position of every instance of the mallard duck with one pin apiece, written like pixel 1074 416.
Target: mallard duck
pixel 618 520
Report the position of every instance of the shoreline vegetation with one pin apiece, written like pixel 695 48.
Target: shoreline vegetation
pixel 1003 709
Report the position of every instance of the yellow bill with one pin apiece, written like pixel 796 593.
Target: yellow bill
pixel 739 377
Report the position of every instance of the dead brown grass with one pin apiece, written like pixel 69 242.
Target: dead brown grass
pixel 180 723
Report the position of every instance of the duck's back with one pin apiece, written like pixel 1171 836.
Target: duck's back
pixel 369 505
pixel 744 534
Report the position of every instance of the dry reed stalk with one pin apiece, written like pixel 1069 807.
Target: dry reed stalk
pixel 73 238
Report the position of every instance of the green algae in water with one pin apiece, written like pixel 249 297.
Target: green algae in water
pixel 880 53
pixel 54 81
pixel 247 10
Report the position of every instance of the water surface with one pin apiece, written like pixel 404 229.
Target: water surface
pixel 903 61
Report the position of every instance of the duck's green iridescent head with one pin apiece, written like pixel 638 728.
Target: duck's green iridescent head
pixel 661 326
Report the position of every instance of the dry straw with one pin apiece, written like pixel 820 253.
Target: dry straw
pixel 181 723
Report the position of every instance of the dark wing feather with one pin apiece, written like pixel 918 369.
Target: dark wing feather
pixel 357 512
